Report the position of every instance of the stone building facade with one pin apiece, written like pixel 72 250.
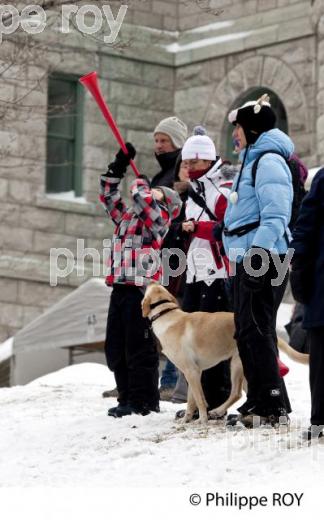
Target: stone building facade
pixel 193 58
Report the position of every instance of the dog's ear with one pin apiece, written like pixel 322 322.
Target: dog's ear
pixel 170 296
pixel 146 302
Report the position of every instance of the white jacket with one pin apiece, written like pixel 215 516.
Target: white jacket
pixel 204 261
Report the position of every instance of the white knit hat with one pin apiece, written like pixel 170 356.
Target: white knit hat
pixel 175 128
pixel 199 146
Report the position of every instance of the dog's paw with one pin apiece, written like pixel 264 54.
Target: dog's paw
pixel 217 414
pixel 187 419
pixel 202 420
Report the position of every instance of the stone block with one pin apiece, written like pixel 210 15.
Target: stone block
pixel 40 294
pixel 157 76
pixel 9 214
pixel 22 191
pixel 266 5
pixel 8 290
pixel 143 141
pixel 82 226
pixel 95 157
pixel 4 189
pixel 165 8
pixel 11 315
pixel 303 144
pixel 128 94
pixel 113 68
pixel 194 97
pixel 170 23
pixel 320 102
pixel 137 118
pixel 194 75
pixel 43 219
pixel 44 241
pixel 148 19
pixel 16 238
pixel 30 313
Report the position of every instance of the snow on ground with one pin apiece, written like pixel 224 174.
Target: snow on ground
pixel 6 350
pixel 55 432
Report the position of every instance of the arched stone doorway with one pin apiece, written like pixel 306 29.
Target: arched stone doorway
pixel 273 75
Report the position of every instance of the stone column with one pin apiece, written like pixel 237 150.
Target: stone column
pixel 318 20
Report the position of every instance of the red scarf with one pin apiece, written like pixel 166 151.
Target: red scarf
pixel 194 175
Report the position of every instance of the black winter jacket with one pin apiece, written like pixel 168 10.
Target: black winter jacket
pixel 308 242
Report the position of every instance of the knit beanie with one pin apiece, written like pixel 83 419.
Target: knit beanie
pixel 255 117
pixel 175 128
pixel 199 146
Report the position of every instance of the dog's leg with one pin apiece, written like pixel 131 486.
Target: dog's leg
pixel 196 396
pixel 236 390
pixel 191 406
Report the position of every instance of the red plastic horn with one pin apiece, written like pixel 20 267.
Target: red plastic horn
pixel 90 81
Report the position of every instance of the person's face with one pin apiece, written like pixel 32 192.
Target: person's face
pixel 184 171
pixel 196 165
pixel 163 144
pixel 239 138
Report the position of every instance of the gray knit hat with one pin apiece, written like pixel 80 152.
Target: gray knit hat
pixel 175 128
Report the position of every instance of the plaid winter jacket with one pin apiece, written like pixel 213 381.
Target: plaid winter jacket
pixel 140 229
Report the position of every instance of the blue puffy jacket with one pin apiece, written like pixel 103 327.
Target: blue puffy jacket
pixel 270 201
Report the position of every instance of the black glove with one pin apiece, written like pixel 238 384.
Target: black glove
pixel 254 283
pixel 118 167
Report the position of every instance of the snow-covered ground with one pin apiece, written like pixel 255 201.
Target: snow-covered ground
pixel 55 432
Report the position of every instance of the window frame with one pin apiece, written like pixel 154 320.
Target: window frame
pixel 77 172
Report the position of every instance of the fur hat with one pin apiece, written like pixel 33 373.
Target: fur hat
pixel 175 128
pixel 255 117
pixel 199 146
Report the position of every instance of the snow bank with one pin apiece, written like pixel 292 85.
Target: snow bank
pixel 6 350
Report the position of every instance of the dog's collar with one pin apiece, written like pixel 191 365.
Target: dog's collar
pixel 159 314
pixel 156 304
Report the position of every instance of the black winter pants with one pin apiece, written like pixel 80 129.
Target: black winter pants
pixel 255 315
pixel 131 349
pixel 198 296
pixel 316 373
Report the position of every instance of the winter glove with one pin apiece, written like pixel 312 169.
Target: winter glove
pixel 118 167
pixel 254 283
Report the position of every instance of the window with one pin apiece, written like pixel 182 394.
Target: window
pixel 253 94
pixel 64 135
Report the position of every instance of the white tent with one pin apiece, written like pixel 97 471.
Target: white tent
pixel 79 319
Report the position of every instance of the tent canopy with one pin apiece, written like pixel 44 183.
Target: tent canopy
pixel 78 319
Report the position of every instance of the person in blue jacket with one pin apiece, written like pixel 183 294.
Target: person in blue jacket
pixel 256 239
pixel 307 282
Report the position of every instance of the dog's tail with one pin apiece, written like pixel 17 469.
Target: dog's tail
pixel 292 353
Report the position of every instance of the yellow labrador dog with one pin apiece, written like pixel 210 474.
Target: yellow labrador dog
pixel 197 341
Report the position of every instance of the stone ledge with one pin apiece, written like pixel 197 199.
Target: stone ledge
pixel 36 268
pixel 69 206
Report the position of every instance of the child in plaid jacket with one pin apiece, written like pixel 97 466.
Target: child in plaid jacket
pixel 134 262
